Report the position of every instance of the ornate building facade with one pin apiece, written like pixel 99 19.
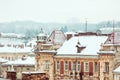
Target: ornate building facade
pixel 80 58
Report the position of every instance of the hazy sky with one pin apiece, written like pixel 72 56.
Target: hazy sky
pixel 60 10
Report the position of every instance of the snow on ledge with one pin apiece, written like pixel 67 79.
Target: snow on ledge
pixel 117 70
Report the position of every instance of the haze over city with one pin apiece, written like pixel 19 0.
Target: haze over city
pixel 59 39
pixel 59 11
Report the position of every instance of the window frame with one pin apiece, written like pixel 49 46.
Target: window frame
pixel 86 67
pixel 78 66
pixel 46 64
pixel 107 67
pixel 74 65
pixel 95 66
pixel 66 65
pixel 58 65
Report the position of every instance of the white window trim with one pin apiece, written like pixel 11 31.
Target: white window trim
pixel 46 65
pixel 85 67
pixel 105 69
pixel 80 66
pixel 57 66
pixel 97 67
pixel 75 65
pixel 67 66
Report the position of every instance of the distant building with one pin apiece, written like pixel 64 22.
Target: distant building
pixel 108 30
pixel 10 35
pixel 25 64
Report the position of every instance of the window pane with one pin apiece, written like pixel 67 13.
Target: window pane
pixel 96 66
pixel 78 65
pixel 46 64
pixel 66 65
pixel 86 67
pixel 74 66
pixel 106 66
pixel 58 65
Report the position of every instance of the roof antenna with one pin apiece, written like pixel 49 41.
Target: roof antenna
pixel 78 42
pixel 86 25
pixel 113 31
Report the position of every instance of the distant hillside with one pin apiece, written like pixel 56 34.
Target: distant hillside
pixel 31 28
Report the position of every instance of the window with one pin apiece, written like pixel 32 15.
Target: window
pixel 46 64
pixel 106 67
pixel 58 65
pixel 58 79
pixel 78 66
pixel 95 66
pixel 28 68
pixel 66 65
pixel 74 65
pixel 8 68
pixel 86 66
pixel 8 58
pixel 15 68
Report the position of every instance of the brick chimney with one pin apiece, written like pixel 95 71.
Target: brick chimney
pixel 79 47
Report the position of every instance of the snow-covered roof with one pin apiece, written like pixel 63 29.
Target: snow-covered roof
pixel 114 38
pixel 15 50
pixel 70 33
pixel 12 35
pixel 117 70
pixel 48 51
pixel 33 42
pixel 47 44
pixel 80 31
pixel 11 41
pixel 75 56
pixel 18 62
pixel 3 60
pixel 108 30
pixel 56 37
pixel 106 52
pixel 42 34
pixel 92 44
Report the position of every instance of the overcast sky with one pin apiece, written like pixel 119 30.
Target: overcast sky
pixel 59 10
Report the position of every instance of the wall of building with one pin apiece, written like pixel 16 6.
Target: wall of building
pixel 13 56
pixel 18 70
pixel 42 66
pixel 117 76
pixel 74 73
pixel 106 58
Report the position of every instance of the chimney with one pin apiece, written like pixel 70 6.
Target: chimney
pixel 69 36
pixel 79 47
